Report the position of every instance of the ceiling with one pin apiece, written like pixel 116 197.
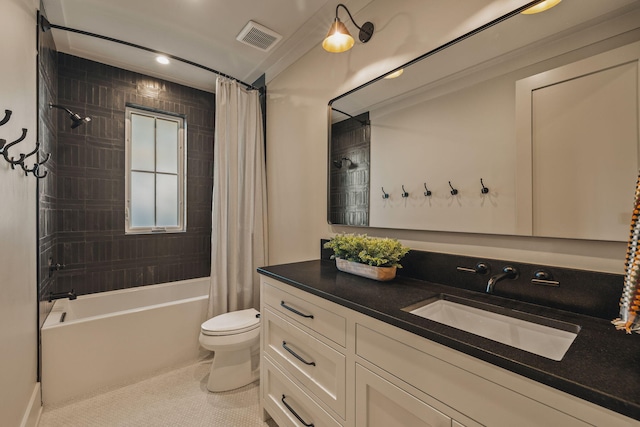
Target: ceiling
pixel 201 31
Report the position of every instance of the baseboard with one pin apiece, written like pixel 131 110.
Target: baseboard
pixel 31 416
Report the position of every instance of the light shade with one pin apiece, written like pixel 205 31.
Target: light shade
pixel 338 38
pixel 541 7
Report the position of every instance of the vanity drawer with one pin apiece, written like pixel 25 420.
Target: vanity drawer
pixel 285 401
pixel 300 310
pixel 314 364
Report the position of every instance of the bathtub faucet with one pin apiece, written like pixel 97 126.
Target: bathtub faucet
pixel 59 295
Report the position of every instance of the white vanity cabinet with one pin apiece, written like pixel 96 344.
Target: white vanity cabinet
pixel 302 351
pixel 349 369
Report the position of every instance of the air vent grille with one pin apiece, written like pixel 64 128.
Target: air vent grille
pixel 258 36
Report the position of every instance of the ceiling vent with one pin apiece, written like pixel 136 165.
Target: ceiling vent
pixel 258 36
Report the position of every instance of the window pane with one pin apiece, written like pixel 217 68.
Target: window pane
pixel 167 200
pixel 166 146
pixel 142 142
pixel 142 212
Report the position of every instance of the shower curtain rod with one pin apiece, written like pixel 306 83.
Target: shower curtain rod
pixel 46 25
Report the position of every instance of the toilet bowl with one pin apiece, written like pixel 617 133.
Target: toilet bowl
pixel 234 338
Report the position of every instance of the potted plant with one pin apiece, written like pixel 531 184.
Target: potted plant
pixel 372 257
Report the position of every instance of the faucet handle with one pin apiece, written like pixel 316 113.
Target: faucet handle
pixel 480 268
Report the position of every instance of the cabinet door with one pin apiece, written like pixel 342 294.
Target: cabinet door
pixel 382 404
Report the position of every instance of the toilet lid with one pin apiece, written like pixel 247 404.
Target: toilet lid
pixel 234 322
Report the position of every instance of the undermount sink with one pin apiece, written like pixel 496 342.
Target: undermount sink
pixel 540 335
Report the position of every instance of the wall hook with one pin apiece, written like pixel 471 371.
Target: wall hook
pixel 7 116
pixel 427 192
pixel 484 190
pixel 35 171
pixel 384 195
pixel 453 190
pixel 35 150
pixel 36 166
pixel 404 193
pixel 5 153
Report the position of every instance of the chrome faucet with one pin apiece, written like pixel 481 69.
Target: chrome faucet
pixel 508 272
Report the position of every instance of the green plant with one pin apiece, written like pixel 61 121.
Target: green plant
pixel 376 251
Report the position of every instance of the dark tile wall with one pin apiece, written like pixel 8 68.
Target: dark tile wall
pixel 349 184
pixel 90 181
pixel 47 187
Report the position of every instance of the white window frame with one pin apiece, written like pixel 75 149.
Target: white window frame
pixel 182 169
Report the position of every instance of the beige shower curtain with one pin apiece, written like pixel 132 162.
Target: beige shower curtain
pixel 239 214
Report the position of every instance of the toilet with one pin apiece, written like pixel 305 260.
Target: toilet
pixel 234 338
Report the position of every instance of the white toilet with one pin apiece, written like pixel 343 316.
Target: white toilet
pixel 234 338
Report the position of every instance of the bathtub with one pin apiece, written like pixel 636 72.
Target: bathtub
pixel 110 339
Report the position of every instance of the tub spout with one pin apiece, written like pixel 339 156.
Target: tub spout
pixel 507 273
pixel 59 295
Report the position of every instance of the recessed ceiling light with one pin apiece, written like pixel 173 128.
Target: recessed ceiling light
pixel 541 7
pixel 162 59
pixel 395 74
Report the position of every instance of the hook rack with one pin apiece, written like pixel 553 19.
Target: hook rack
pixel 484 190
pixel 4 150
pixel 453 190
pixel 384 195
pixel 427 192
pixel 404 193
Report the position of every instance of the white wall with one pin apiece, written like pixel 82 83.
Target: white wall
pixel 18 296
pixel 297 139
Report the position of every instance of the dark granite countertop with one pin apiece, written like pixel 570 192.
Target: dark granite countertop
pixel 602 365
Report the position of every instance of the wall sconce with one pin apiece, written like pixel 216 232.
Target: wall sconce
pixel 338 38
pixel 76 119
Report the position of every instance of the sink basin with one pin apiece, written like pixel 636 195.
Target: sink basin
pixel 539 335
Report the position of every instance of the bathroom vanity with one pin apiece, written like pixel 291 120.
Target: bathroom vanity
pixel 338 350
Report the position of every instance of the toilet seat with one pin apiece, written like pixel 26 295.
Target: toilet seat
pixel 232 323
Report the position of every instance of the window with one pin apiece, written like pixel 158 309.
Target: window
pixel 155 171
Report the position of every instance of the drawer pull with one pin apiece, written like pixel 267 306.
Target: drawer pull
pixel 308 316
pixel 297 356
pixel 294 413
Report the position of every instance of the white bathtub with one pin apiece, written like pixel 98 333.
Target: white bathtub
pixel 116 338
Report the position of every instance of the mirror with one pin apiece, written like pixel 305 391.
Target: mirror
pixel 440 147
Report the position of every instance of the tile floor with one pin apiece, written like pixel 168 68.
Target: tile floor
pixel 174 399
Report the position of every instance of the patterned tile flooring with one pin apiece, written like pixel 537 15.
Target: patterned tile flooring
pixel 174 399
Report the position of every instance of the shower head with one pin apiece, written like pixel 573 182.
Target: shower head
pixel 76 119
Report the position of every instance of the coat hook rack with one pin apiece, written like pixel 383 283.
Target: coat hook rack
pixel 484 190
pixel 7 116
pixel 453 190
pixel 404 193
pixel 4 150
pixel 427 192
pixel 384 195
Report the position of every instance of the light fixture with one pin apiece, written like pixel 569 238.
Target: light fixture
pixel 395 74
pixel 541 7
pixel 162 59
pixel 338 38
pixel 76 119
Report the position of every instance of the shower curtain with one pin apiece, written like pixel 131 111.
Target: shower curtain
pixel 239 212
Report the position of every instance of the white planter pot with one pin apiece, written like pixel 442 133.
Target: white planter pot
pixel 382 274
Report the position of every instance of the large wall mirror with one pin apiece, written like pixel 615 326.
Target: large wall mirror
pixel 529 126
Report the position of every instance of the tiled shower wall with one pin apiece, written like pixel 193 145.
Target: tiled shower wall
pixel 90 182
pixel 349 184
